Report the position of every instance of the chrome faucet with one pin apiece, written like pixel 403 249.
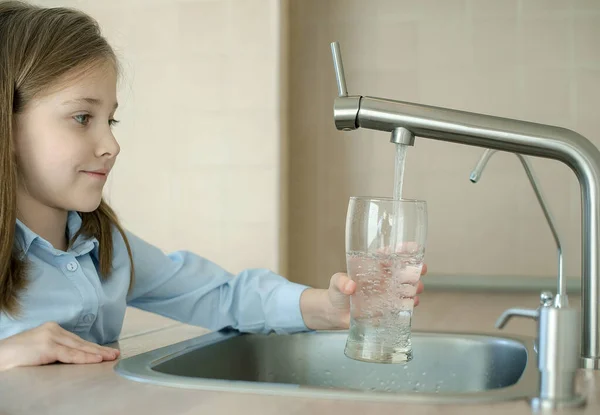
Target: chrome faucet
pixel 355 111
pixel 560 299
pixel 558 339
pixel 557 344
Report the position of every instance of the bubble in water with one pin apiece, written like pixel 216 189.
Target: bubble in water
pixel 327 373
pixel 424 373
pixel 405 367
pixel 393 326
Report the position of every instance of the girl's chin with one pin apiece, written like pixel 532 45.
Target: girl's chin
pixel 88 204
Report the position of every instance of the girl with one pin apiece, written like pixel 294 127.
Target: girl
pixel 67 267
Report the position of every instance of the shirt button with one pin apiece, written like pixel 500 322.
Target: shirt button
pixel 88 318
pixel 72 266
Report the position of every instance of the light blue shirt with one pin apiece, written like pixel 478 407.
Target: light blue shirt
pixel 65 287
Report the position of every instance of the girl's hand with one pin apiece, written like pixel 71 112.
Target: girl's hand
pixel 50 343
pixel 330 309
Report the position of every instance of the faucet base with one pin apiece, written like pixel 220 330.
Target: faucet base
pixel 590 363
pixel 539 404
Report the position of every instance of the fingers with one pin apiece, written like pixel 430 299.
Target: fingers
pixel 86 347
pixel 66 338
pixel 66 354
pixel 343 284
pixel 70 340
pixel 420 286
pixel 49 343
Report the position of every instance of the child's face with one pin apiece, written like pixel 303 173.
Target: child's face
pixel 64 143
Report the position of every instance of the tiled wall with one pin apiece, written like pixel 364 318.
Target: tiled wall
pixel 200 164
pixel 532 60
pixel 204 136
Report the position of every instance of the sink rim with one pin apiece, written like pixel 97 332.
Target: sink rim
pixel 140 368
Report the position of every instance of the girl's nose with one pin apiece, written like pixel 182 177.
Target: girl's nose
pixel 108 146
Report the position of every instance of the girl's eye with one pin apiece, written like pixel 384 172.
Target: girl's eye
pixel 82 119
pixel 112 122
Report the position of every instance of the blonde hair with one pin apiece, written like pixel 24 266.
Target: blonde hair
pixel 38 48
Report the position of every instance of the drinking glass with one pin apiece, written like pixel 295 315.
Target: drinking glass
pixel 385 247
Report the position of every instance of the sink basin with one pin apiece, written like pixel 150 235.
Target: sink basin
pixel 447 367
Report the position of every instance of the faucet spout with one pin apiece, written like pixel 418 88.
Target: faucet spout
pixel 511 135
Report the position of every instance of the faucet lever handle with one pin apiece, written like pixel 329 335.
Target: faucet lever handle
pixel 516 312
pixel 338 66
pixel 546 300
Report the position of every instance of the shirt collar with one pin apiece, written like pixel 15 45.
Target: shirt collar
pixel 25 237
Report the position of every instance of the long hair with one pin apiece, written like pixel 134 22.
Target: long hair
pixel 38 47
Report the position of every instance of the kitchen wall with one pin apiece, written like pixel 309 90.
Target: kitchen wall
pixel 229 148
pixel 200 165
pixel 532 60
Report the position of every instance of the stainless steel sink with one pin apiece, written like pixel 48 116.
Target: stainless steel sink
pixel 447 367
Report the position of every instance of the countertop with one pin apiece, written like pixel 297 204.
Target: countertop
pixel 97 389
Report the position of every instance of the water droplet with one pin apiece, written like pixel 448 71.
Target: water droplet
pixel 424 373
pixel 327 373
pixel 405 367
